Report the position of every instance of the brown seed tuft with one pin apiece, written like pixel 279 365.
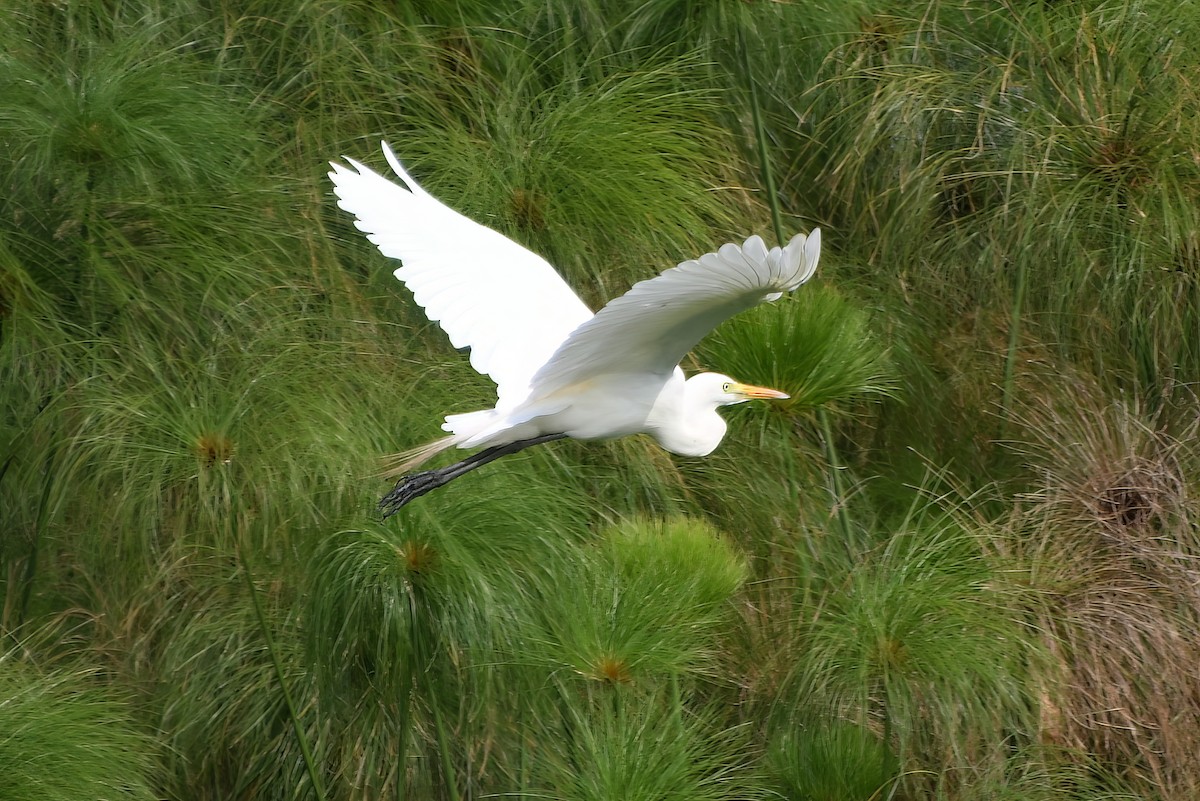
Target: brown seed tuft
pixel 611 669
pixel 213 448
pixel 418 557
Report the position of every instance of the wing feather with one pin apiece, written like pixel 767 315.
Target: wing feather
pixel 652 326
pixel 486 292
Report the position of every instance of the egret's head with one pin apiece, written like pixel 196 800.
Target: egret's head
pixel 721 390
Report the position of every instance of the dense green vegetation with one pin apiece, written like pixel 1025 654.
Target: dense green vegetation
pixel 960 565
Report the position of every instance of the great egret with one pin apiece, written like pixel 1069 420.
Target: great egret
pixel 561 371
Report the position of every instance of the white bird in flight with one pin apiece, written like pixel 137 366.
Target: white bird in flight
pixel 561 371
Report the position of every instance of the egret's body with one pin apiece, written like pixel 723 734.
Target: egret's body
pixel 561 371
pixel 680 415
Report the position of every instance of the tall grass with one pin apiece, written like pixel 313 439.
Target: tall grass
pixel 1110 542
pixel 913 645
pixel 202 363
pixel 639 748
pixel 63 738
pixel 646 605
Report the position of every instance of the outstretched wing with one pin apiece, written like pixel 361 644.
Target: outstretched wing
pixel 508 305
pixel 652 326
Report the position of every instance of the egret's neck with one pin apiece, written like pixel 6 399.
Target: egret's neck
pixel 685 420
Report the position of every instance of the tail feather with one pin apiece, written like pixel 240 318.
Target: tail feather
pixel 397 464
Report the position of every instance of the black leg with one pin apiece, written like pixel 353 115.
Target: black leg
pixel 415 485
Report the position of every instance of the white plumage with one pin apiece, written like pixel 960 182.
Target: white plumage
pixel 489 294
pixel 559 369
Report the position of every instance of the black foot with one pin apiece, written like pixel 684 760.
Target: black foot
pixel 409 488
pixel 417 484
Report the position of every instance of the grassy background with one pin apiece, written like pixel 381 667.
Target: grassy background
pixel 960 565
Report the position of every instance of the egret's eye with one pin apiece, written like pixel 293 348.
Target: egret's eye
pixel 725 387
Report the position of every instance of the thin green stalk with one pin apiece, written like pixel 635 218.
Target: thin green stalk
pixel 836 491
pixel 422 640
pixel 831 456
pixel 405 705
pixel 309 763
pixel 444 751
pixel 760 133
pixel 1014 337
pixel 31 561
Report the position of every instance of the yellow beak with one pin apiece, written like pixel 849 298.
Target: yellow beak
pixel 751 391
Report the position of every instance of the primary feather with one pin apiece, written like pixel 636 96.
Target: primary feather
pixel 652 327
pixel 489 294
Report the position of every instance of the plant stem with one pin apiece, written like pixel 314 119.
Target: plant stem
pixel 313 775
pixel 836 491
pixel 423 642
pixel 760 133
pixel 768 176
pixel 444 751
pixel 403 711
pixel 31 561
pixel 1014 337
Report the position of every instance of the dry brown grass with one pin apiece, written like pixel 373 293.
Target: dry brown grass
pixel 1112 541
